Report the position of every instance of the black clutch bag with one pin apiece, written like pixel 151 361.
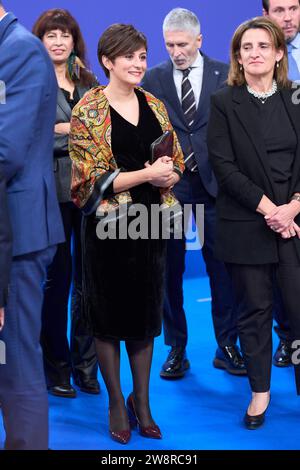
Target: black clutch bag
pixel 163 146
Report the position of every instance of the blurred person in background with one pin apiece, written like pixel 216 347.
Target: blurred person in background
pixel 286 13
pixel 26 145
pixel 185 83
pixel 61 35
pixel 5 249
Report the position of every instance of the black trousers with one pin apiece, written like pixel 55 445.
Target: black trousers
pixel 282 328
pixel 190 190
pixel 60 359
pixel 253 288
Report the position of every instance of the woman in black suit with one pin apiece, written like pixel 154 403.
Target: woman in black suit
pixel 254 145
pixel 62 37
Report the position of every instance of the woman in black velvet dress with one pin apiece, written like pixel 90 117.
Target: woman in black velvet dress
pixel 112 129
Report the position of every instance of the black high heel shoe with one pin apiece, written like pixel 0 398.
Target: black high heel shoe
pixel 151 431
pixel 256 421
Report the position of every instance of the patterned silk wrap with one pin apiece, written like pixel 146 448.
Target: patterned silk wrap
pixel 90 145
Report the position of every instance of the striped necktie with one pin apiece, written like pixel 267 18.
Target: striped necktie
pixel 189 109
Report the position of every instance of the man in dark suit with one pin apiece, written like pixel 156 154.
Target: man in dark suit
pixel 26 143
pixel 185 84
pixel 5 249
pixel 286 13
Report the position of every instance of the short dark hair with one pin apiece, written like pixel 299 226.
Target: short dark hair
pixel 117 40
pixel 266 5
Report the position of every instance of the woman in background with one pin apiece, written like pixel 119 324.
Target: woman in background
pixel 61 35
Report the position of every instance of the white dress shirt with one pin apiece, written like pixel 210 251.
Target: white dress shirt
pixel 3 16
pixel 195 77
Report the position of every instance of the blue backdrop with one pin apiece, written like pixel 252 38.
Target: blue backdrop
pixel 218 19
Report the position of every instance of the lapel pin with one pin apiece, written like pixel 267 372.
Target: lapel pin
pixel 217 72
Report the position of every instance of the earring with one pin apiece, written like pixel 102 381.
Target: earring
pixel 277 65
pixel 241 68
pixel 74 66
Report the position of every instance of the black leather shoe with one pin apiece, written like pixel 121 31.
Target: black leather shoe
pixel 283 354
pixel 229 358
pixel 176 364
pixel 64 391
pixel 256 421
pixel 91 386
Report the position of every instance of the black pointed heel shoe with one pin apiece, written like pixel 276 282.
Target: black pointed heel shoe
pixel 256 421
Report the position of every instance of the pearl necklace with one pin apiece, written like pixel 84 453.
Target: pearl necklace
pixel 263 96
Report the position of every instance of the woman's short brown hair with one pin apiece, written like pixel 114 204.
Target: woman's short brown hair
pixel 118 40
pixel 236 73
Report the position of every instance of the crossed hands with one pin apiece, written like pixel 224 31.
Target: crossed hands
pixel 281 220
pixel 161 172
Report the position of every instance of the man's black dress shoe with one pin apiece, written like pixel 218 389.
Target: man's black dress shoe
pixel 283 354
pixel 176 364
pixel 64 391
pixel 254 422
pixel 230 359
pixel 91 386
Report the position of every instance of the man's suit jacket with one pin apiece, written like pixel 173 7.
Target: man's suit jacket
pixel 5 243
pixel 26 138
pixel 160 82
pixel 240 162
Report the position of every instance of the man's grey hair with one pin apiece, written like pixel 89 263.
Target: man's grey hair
pixel 181 19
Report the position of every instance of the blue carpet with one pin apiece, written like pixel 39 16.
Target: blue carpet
pixel 203 411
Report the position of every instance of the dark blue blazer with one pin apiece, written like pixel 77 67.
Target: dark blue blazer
pixel 5 243
pixel 159 81
pixel 26 138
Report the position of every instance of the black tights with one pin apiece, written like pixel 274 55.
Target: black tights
pixel 140 357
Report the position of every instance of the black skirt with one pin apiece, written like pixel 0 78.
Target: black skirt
pixel 123 285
